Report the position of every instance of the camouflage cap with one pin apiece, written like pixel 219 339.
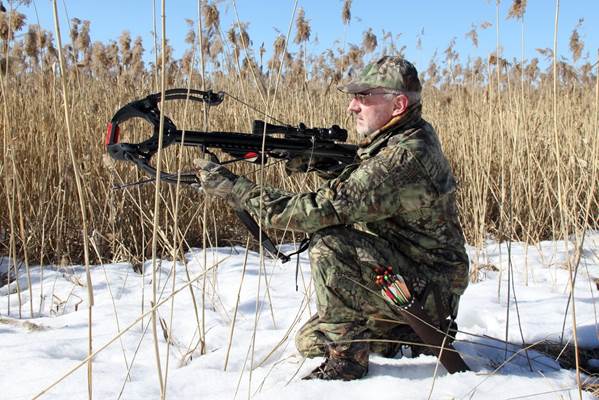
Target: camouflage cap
pixel 395 73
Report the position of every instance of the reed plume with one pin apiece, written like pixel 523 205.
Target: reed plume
pixel 346 12
pixel 302 26
pixel 576 44
pixel 517 9
pixel 473 35
pixel 369 41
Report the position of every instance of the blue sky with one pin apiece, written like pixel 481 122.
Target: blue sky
pixel 441 21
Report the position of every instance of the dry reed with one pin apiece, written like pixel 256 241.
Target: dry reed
pixel 463 101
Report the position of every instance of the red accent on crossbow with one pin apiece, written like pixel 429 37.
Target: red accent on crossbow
pixel 112 139
pixel 250 156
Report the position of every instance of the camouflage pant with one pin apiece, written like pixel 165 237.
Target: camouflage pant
pixel 349 305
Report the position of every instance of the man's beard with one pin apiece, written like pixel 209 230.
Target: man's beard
pixel 364 131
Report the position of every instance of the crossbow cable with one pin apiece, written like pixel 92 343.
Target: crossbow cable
pixel 141 153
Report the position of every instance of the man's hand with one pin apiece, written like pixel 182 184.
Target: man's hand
pixel 308 163
pixel 301 163
pixel 215 179
pixel 325 168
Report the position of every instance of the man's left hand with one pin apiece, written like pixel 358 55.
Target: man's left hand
pixel 215 179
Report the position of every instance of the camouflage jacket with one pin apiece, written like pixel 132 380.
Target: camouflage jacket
pixel 401 190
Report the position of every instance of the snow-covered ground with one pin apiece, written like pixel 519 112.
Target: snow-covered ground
pixel 37 351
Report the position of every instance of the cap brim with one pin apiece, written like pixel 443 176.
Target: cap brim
pixel 355 87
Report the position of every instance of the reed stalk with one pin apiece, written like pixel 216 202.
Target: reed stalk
pixel 80 195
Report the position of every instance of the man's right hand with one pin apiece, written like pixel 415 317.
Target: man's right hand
pixel 301 163
pixel 325 168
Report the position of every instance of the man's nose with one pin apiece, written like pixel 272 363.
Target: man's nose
pixel 354 106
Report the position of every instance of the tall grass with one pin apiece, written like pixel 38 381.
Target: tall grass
pixel 477 108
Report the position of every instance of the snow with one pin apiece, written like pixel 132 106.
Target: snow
pixel 38 350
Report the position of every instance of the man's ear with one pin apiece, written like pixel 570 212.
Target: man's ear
pixel 400 105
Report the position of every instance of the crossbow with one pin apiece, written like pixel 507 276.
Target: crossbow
pixel 323 147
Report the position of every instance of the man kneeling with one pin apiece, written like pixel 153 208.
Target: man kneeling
pixel 394 207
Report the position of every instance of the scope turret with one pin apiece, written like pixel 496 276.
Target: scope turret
pixel 334 133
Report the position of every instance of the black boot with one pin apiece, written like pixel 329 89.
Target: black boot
pixel 343 362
